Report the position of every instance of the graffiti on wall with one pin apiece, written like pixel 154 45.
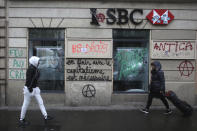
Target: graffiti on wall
pixel 17 74
pixel 186 68
pixel 95 47
pixel 17 52
pixel 17 66
pixel 89 91
pixel 17 63
pixel 173 49
pixel 88 70
pixel 89 48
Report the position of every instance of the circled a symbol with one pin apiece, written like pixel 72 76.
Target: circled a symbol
pixel 186 68
pixel 100 17
pixel 88 90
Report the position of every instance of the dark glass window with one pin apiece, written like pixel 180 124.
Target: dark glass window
pixel 130 54
pixel 48 44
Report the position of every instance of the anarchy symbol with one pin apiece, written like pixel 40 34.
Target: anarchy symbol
pixel 186 68
pixel 88 90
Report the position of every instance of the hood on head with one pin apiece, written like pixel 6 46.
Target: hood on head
pixel 157 64
pixel 34 61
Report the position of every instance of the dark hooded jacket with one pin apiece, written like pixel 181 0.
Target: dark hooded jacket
pixel 32 74
pixel 157 78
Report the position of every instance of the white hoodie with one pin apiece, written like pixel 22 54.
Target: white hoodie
pixel 34 61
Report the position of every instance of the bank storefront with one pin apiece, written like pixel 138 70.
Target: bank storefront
pixel 95 53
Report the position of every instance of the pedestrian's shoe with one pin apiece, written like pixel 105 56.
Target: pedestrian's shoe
pixel 168 112
pixel 23 123
pixel 145 110
pixel 48 118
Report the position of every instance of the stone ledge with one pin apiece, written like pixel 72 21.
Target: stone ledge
pixel 160 1
pixel 90 108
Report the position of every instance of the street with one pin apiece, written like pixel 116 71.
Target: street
pixel 99 120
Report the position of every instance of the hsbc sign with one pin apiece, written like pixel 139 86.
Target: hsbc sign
pixel 122 16
pixel 160 16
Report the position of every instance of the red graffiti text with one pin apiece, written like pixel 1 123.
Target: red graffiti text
pixel 90 47
pixel 173 46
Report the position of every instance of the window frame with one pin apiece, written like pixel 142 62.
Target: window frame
pixel 30 40
pixel 127 39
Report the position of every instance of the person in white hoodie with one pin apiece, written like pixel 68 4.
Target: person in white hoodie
pixel 32 90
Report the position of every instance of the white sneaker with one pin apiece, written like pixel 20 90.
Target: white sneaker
pixel 145 110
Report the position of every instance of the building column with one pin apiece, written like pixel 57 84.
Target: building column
pixel 3 50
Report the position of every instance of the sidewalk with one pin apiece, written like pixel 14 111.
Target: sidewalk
pixel 99 119
pixel 84 108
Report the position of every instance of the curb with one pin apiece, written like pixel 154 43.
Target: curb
pixel 91 108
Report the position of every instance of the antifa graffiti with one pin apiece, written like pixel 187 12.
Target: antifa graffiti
pixel 173 46
pixel 173 49
pixel 88 70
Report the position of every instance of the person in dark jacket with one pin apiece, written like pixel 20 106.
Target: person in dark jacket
pixel 31 89
pixel 157 87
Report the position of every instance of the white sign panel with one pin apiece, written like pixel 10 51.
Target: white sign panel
pixel 90 49
pixel 173 49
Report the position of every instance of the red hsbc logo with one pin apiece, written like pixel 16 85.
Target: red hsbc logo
pixel 160 16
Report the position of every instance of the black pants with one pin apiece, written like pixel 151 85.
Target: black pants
pixel 157 95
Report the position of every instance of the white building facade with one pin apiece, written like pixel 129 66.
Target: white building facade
pixel 99 53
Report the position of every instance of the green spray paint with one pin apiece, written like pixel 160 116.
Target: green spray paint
pixel 17 63
pixel 16 74
pixel 130 62
pixel 15 52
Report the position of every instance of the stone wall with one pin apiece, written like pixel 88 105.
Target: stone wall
pixel 2 52
pixel 75 18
